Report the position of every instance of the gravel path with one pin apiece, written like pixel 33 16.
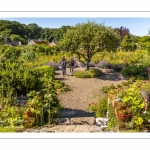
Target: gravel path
pixel 85 91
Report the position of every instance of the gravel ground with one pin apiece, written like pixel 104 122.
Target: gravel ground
pixel 85 91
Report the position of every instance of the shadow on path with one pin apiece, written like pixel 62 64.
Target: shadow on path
pixel 66 112
pixel 112 75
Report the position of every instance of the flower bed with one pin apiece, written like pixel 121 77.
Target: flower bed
pixel 134 95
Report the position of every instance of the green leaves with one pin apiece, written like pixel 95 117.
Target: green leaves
pixel 89 38
pixel 138 121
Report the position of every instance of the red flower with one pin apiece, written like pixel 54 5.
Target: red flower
pixel 142 98
pixel 93 103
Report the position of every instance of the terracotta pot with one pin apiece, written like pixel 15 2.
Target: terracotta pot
pixel 124 117
pixel 29 113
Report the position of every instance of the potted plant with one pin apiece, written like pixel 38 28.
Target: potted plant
pixel 28 112
pixel 123 112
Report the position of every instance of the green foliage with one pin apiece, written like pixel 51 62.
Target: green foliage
pixel 19 75
pixel 133 70
pixel 100 108
pixel 7 129
pixel 144 42
pixel 11 116
pixel 15 37
pixel 65 88
pixel 27 55
pixel 45 49
pixel 86 39
pixel 60 86
pixel 88 73
pixel 106 89
pixel 134 96
pixel 127 43
pixel 112 118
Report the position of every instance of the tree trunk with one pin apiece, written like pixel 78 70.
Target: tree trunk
pixel 87 65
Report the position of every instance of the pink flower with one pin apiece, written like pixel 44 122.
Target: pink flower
pixel 143 112
pixel 148 121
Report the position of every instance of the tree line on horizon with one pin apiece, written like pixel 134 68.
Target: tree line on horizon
pixel 21 32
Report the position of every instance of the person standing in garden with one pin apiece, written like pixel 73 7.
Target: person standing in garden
pixel 63 63
pixel 71 65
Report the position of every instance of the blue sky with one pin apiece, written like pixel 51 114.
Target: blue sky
pixel 137 26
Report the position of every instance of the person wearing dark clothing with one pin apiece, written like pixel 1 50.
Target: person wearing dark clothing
pixel 71 65
pixel 63 63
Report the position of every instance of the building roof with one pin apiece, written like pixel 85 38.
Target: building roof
pixel 13 43
pixel 39 42
pixel 36 41
pixel 52 44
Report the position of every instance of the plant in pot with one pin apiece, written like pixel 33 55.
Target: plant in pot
pixel 28 112
pixel 123 112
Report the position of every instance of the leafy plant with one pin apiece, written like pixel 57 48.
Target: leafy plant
pixel 106 89
pixel 100 108
pixel 91 73
pixel 112 119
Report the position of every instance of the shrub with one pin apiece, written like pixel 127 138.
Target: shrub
pixel 106 89
pixel 91 73
pixel 60 85
pixel 65 88
pixel 99 108
pixel 133 70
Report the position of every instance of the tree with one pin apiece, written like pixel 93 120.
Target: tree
pixel 122 31
pixel 58 33
pixel 127 43
pixel 86 39
pixel 34 31
pixel 15 37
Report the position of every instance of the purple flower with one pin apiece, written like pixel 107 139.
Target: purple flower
pixel 92 64
pixel 103 64
pixel 53 64
pixel 82 65
pixel 75 65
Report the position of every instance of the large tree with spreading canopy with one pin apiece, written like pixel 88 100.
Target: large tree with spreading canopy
pixel 86 39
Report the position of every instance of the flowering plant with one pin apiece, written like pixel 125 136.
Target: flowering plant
pixel 100 108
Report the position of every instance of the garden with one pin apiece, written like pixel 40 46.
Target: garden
pixel 28 72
